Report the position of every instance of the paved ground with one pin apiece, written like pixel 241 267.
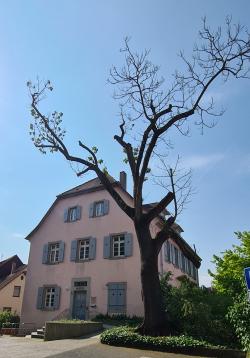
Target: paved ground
pixel 22 347
pixel 19 347
pixel 103 351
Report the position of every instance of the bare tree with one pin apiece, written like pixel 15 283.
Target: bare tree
pixel 151 111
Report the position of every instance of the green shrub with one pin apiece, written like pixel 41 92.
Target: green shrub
pixel 8 317
pixel 126 336
pixel 118 320
pixel 239 316
pixel 197 312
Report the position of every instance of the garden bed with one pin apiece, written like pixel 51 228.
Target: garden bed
pixel 126 337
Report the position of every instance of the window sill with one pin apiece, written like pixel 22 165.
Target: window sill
pixel 79 261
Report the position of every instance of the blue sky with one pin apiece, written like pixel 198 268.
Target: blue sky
pixel 74 44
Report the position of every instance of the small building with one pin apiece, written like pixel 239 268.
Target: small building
pixel 85 260
pixel 12 282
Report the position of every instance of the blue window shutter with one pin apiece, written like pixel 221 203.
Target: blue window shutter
pixel 112 296
pixel 61 251
pixel 121 298
pixel 91 210
pixel 73 250
pixel 39 302
pixel 66 214
pixel 57 297
pixel 105 207
pixel 128 244
pixel 45 253
pixel 78 213
pixel 172 254
pixel 117 297
pixel 92 248
pixel 165 250
pixel 107 247
pixel 184 263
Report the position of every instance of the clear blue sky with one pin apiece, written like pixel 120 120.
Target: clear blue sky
pixel 74 43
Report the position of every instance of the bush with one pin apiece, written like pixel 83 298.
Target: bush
pixel 8 317
pixel 126 336
pixel 118 320
pixel 197 312
pixel 239 316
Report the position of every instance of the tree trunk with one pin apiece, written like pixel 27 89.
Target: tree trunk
pixel 155 320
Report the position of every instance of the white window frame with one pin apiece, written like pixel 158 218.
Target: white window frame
pixel 83 245
pixel 53 255
pixel 72 214
pixel 118 244
pixel 17 291
pixel 49 297
pixel 99 208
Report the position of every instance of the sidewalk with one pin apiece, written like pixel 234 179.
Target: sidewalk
pixel 25 347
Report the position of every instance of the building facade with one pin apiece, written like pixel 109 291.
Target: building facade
pixel 84 258
pixel 12 283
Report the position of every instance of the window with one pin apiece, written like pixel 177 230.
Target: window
pixel 80 283
pixel 188 267
pixel 83 249
pixel 6 309
pixel 17 291
pixel 167 251
pixel 99 208
pixel 176 254
pixel 182 262
pixel 54 252
pixel 49 297
pixel 118 246
pixel 72 214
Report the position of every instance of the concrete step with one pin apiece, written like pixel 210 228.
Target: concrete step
pixel 40 331
pixel 37 335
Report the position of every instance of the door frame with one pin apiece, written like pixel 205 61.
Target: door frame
pixel 85 288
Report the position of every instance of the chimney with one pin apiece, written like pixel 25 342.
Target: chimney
pixel 123 180
pixel 13 267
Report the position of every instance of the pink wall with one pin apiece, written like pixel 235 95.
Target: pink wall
pixel 101 271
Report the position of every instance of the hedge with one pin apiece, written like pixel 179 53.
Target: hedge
pixel 127 337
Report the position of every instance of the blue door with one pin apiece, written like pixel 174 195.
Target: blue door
pixel 79 305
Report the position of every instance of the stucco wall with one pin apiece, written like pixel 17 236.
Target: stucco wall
pixel 100 271
pixel 6 295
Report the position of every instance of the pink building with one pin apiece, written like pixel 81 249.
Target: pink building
pixel 84 258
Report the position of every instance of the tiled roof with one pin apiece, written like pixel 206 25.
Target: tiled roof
pixel 6 266
pixel 12 276
pixel 93 184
